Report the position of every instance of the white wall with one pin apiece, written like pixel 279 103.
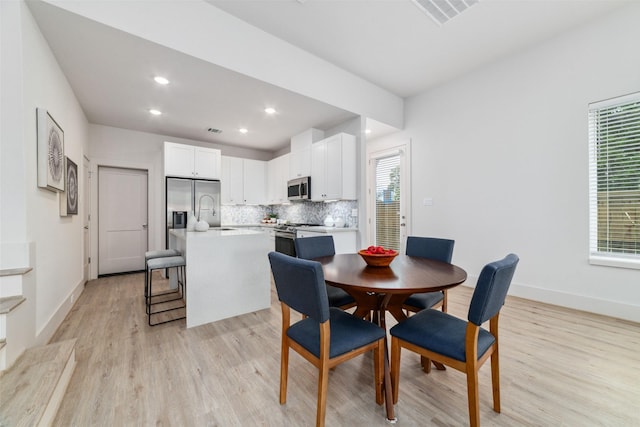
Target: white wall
pixel 31 225
pixel 503 153
pixel 125 148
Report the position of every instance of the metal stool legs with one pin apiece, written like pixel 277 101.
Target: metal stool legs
pixel 179 293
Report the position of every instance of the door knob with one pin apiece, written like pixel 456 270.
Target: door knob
pixel 144 225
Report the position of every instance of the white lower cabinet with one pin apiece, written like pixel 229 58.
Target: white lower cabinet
pixel 344 241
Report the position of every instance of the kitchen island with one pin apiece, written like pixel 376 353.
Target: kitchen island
pixel 227 272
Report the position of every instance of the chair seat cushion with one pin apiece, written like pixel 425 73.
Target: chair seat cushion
pixel 347 333
pixel 424 300
pixel 441 333
pixel 161 253
pixel 338 297
pixel 166 262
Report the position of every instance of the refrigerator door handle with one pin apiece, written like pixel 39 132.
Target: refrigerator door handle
pixel 144 225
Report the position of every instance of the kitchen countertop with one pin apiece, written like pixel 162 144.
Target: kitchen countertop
pixel 323 229
pixel 213 232
pixel 314 228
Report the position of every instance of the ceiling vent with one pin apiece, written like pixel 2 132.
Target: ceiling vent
pixel 443 10
pixel 214 130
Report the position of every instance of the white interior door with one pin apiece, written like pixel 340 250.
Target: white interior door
pixel 86 217
pixel 122 220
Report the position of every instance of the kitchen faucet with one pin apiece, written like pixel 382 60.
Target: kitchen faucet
pixel 213 203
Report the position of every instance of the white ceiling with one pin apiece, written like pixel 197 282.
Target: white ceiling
pixel 390 43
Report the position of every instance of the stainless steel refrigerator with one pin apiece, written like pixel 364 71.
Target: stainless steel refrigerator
pixel 192 195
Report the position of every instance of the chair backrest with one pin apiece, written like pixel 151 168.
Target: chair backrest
pixel 300 284
pixel 491 289
pixel 314 247
pixel 430 247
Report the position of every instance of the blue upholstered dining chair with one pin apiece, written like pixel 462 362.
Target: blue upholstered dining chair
pixel 432 248
pixel 315 247
pixel 462 345
pixel 327 336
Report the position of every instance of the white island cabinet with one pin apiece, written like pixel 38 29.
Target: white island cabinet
pixel 228 272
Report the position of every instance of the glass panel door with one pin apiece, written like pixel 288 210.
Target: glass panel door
pixel 388 197
pixel 387 202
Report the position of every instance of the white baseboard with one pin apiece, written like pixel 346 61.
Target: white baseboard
pixel 578 302
pixel 46 332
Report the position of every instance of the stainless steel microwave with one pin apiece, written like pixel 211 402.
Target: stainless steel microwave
pixel 299 188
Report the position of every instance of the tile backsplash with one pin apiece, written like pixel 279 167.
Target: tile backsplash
pixel 300 212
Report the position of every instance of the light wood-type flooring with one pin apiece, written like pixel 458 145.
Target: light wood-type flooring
pixel 559 367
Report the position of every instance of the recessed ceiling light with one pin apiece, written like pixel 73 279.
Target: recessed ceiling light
pixel 155 112
pixel 367 131
pixel 161 80
pixel 270 110
pixel 243 130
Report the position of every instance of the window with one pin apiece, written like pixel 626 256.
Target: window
pixel 614 181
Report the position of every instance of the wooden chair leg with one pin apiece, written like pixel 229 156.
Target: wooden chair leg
pixel 444 301
pixel 284 353
pixel 471 340
pixel 495 380
pixel 323 384
pixel 284 372
pixel 323 375
pixel 378 368
pixel 495 364
pixel 395 367
pixel 426 364
pixel 474 399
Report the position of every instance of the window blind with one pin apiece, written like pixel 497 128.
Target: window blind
pixel 614 177
pixel 388 202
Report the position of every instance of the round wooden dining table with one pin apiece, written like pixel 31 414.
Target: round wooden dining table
pixel 378 290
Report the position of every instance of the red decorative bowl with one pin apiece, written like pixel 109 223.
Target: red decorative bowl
pixel 377 260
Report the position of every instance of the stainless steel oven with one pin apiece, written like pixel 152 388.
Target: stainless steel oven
pixel 285 241
pixel 285 236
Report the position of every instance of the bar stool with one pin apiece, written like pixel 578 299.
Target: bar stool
pixel 152 255
pixel 179 264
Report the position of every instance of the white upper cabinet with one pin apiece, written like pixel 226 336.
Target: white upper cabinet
pixel 231 184
pixel 191 161
pixel 300 163
pixel 277 177
pixel 243 181
pixel 300 156
pixel 255 182
pixel 333 168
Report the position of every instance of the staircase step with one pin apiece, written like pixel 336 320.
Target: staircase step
pixel 9 303
pixel 33 388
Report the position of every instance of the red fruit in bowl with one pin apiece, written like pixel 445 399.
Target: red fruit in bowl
pixel 380 250
pixel 371 249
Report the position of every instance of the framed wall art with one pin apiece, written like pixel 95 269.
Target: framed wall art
pixel 51 169
pixel 69 197
pixel 72 187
